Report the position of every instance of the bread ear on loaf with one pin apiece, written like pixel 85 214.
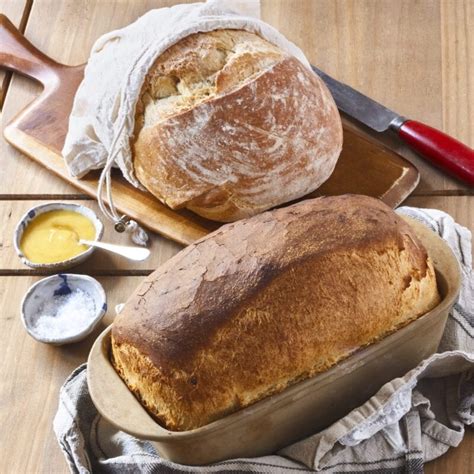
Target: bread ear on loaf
pixel 228 125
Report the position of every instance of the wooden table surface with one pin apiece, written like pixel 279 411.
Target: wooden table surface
pixel 414 56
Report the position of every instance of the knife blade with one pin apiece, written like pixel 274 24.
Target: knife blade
pixel 439 148
pixel 357 105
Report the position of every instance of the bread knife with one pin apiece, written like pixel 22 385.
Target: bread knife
pixel 444 151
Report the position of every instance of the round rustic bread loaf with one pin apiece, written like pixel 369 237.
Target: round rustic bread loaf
pixel 265 302
pixel 229 125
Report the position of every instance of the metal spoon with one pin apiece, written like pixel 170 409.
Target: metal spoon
pixel 132 253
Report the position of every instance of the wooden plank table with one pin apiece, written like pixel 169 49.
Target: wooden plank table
pixel 416 57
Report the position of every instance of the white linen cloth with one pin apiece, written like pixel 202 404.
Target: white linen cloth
pixel 103 115
pixel 411 420
pixel 102 119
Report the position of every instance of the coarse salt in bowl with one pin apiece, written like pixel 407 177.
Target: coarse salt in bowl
pixel 63 308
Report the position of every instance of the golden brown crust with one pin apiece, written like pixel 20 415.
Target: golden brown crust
pixel 198 68
pixel 265 302
pixel 228 125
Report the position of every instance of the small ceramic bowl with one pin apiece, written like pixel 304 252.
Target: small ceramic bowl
pixel 52 289
pixel 55 206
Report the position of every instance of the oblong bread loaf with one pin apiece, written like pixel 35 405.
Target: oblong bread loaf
pixel 266 302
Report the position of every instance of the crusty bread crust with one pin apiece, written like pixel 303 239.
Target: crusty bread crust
pixel 263 303
pixel 228 125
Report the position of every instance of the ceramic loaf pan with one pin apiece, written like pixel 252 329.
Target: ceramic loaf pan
pixel 300 410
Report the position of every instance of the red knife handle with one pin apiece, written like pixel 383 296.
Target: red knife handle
pixel 442 150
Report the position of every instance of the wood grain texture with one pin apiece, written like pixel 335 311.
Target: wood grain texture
pixel 456 461
pixel 387 50
pixel 66 31
pixel 344 37
pixel 31 374
pixel 100 263
pixel 364 167
pixel 381 33
pixel 457 55
pixel 17 11
pixel 181 226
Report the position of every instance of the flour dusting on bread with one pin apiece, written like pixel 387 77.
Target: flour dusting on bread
pixel 228 125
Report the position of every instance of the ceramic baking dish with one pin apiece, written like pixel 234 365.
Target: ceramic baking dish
pixel 300 410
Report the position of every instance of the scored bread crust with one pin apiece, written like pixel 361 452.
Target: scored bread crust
pixel 228 125
pixel 263 303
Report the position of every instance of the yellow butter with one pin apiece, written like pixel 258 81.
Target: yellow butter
pixel 54 236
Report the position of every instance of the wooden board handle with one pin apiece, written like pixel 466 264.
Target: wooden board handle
pixel 19 55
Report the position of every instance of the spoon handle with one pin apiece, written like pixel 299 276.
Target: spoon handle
pixel 132 253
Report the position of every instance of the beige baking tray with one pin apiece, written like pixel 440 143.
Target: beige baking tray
pixel 300 410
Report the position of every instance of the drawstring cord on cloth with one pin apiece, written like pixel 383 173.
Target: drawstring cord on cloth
pixel 121 223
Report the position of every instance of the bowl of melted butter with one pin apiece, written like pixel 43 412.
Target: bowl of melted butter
pixel 47 236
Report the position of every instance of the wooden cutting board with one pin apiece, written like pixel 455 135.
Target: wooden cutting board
pixel 366 166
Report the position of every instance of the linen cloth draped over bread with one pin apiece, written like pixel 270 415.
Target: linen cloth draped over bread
pixel 411 420
pixel 103 115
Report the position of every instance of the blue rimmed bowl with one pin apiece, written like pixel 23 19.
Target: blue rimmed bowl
pixel 56 206
pixel 48 290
